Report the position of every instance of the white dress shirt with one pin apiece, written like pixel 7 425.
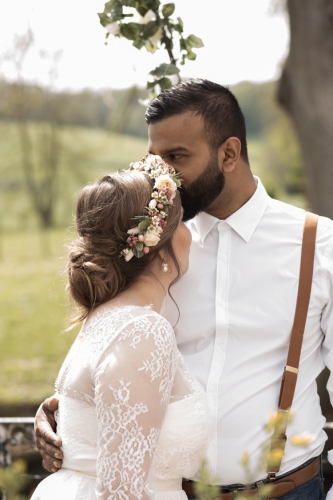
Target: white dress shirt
pixel 237 304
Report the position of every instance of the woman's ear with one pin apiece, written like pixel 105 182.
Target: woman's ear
pixel 161 254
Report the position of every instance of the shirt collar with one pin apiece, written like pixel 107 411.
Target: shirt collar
pixel 244 221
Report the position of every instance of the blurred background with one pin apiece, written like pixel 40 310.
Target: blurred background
pixel 71 110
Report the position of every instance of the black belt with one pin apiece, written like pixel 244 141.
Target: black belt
pixel 278 487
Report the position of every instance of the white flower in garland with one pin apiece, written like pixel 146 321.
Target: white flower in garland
pixel 164 182
pixel 149 224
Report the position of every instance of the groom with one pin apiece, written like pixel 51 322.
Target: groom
pixel 237 301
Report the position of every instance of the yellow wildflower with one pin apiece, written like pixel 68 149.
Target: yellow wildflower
pixel 303 439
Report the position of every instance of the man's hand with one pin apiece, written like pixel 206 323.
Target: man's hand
pixel 47 441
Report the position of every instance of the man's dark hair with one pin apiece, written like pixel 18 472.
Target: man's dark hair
pixel 218 107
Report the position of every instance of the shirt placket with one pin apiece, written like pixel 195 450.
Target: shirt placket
pixel 221 336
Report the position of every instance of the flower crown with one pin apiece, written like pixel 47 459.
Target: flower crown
pixel 152 220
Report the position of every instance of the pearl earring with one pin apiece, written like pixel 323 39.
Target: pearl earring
pixel 165 266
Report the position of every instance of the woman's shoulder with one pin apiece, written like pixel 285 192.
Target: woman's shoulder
pixel 112 324
pixel 117 317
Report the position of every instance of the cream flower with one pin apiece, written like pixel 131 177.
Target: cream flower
pixel 153 161
pixel 149 16
pixel 134 230
pixel 151 238
pixel 165 182
pixel 137 165
pixel 129 255
pixel 113 29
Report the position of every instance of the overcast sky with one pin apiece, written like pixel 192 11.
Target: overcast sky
pixel 243 41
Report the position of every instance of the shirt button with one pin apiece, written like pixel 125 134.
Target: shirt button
pixel 223 257
pixel 221 303
pixel 212 388
pixel 220 342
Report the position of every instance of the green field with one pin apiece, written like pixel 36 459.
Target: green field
pixel 33 305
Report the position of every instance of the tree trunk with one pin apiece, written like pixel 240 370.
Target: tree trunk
pixel 306 91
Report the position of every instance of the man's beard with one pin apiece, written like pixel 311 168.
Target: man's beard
pixel 203 191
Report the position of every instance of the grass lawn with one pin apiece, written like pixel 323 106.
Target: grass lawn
pixel 33 314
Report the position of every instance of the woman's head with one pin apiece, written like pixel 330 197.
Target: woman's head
pixel 105 212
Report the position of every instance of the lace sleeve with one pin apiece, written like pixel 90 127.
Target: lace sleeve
pixel 133 381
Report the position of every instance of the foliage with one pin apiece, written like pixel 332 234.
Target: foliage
pixel 284 157
pixel 282 168
pixel 154 30
pixel 115 110
pixel 12 480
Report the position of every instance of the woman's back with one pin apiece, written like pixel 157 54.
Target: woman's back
pixel 123 387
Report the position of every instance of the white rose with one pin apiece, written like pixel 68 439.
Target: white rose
pixel 151 238
pixel 152 204
pixel 165 182
pixel 113 29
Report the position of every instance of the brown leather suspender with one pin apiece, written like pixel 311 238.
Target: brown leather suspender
pixel 289 378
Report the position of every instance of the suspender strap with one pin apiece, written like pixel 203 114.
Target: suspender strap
pixel 289 378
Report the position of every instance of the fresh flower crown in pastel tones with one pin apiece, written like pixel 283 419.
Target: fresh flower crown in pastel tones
pixel 149 224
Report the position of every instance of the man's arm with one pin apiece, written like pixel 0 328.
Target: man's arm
pixel 47 441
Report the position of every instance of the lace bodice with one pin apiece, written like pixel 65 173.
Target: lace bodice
pixel 130 412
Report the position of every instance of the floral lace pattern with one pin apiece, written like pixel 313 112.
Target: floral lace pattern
pixel 143 417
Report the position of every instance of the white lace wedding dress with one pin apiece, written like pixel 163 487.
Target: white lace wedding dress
pixel 132 418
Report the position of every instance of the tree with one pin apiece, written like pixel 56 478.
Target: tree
pixel 306 92
pixel 40 146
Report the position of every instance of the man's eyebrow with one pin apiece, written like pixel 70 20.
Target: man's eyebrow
pixel 176 149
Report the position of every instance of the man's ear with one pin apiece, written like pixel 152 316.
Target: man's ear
pixel 229 154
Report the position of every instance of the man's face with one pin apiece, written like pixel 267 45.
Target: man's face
pixel 180 142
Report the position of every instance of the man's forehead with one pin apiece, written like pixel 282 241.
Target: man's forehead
pixel 175 131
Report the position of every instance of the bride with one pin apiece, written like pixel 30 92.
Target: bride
pixel 132 419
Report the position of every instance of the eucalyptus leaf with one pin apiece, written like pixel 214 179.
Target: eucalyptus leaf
pixel 115 9
pixel 154 5
pixel 164 83
pixel 151 85
pixel 168 9
pixel 178 27
pixel 138 44
pixel 142 9
pixel 137 253
pixel 131 31
pixel 195 41
pixel 150 29
pixel 165 69
pixel 104 19
pixel 191 55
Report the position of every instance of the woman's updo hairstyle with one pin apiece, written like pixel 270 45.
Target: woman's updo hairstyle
pixel 104 213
